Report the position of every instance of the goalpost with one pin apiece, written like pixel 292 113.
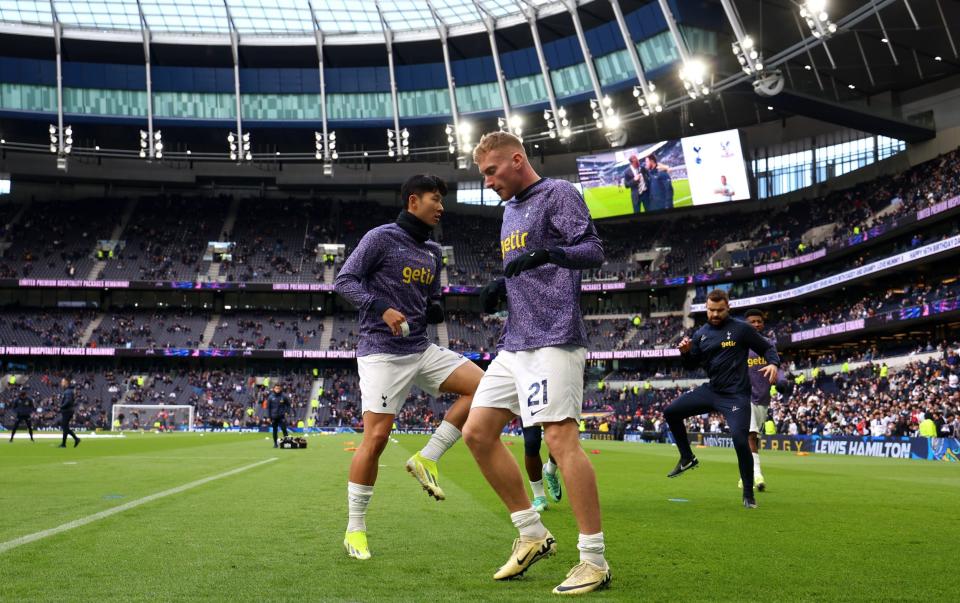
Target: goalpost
pixel 170 417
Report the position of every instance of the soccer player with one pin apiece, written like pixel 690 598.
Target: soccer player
pixel 24 408
pixel 68 405
pixel 537 472
pixel 278 405
pixel 393 278
pixel 759 397
pixel 547 237
pixel 721 348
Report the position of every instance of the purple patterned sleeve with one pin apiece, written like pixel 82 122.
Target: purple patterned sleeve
pixel 581 247
pixel 364 259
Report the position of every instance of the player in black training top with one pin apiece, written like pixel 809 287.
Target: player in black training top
pixel 68 405
pixel 721 347
pixel 278 405
pixel 24 407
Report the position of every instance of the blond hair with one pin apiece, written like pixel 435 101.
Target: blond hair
pixel 496 140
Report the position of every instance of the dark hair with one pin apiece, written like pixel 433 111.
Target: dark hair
pixel 421 184
pixel 754 312
pixel 718 295
pixel 652 157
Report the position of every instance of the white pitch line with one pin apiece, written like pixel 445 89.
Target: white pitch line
pixel 12 544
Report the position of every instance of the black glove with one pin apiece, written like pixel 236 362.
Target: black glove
pixel 434 314
pixel 492 294
pixel 527 261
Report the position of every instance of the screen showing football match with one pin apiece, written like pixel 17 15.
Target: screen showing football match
pixel 695 170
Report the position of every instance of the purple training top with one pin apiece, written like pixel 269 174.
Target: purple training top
pixel 391 269
pixel 759 386
pixel 544 303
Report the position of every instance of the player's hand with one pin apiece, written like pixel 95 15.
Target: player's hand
pixel 684 345
pixel 770 372
pixel 394 320
pixel 527 261
pixel 492 294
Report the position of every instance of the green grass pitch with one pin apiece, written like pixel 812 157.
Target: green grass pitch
pixel 829 527
pixel 609 201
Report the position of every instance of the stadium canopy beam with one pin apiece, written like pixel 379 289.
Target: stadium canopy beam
pixel 863 55
pixel 813 64
pixel 675 32
pixel 388 41
pixel 235 49
pixel 886 36
pixel 145 30
pixel 587 57
pixel 531 13
pixel 57 42
pixel 445 46
pixel 946 28
pixel 631 48
pixel 318 38
pixel 490 22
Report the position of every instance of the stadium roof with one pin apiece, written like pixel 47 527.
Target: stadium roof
pixel 349 20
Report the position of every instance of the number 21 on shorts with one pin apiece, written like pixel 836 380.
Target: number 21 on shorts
pixel 538 395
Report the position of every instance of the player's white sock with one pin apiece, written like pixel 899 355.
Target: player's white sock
pixel 591 549
pixel 537 488
pixel 529 524
pixel 358 497
pixel 756 463
pixel 550 467
pixel 443 438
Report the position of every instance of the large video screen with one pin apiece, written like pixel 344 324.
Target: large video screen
pixel 696 170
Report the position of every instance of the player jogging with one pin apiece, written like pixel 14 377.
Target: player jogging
pixel 720 347
pixel 547 237
pixel 537 471
pixel 393 278
pixel 759 397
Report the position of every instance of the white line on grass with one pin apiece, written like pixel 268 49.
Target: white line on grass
pixel 12 544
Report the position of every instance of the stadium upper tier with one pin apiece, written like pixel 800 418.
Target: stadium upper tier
pixel 899 302
pixel 278 243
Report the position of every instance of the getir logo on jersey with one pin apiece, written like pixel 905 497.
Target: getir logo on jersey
pixel 758 361
pixel 516 240
pixel 728 344
pixel 424 276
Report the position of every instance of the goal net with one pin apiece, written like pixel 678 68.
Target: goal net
pixel 162 417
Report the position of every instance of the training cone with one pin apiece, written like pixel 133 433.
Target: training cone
pixel 594 451
pixel 350 449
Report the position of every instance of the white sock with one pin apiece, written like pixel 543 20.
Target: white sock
pixel 591 549
pixel 550 467
pixel 529 524
pixel 358 497
pixel 756 463
pixel 537 488
pixel 443 438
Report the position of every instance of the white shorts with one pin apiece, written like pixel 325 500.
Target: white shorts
pixel 758 416
pixel 385 379
pixel 544 385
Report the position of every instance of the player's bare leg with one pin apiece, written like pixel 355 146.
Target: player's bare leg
pixel 563 440
pixel 481 433
pixel 423 465
pixel 363 474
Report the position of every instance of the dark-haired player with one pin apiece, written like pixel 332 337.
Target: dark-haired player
pixel 759 396
pixel 721 347
pixel 24 408
pixel 393 278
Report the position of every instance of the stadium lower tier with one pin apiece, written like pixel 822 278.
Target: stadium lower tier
pixel 889 396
